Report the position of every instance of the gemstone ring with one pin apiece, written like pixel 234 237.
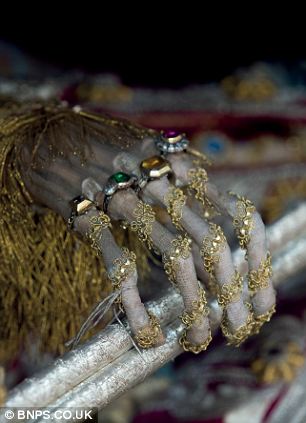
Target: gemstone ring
pixel 154 167
pixel 171 141
pixel 118 181
pixel 79 206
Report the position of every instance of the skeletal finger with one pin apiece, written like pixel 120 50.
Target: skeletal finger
pixel 237 318
pixel 145 327
pixel 45 185
pixel 250 231
pixel 216 256
pixel 178 263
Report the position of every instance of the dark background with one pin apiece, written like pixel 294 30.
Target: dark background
pixel 158 55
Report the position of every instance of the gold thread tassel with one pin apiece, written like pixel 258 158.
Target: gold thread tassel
pixel 50 279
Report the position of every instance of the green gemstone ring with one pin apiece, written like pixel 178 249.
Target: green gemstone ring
pixel 116 182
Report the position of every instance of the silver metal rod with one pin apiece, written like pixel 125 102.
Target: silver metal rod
pixel 103 368
pixel 131 368
pixel 128 370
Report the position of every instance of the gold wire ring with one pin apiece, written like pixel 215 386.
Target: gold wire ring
pixel 98 224
pixel 147 336
pixel 181 248
pixel 175 200
pixel 230 292
pixel 259 279
pixel 243 221
pixel 199 310
pixel 143 223
pixel 212 246
pixel 237 337
pixel 259 321
pixel 195 349
pixel 122 268
pixel 197 180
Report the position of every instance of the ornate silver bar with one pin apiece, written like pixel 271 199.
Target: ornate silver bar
pixel 102 362
pixel 131 368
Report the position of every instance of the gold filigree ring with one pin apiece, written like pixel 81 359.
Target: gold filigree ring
pixel 262 319
pixel 123 267
pixel 97 224
pixel 175 200
pixel 243 221
pixel 195 349
pixel 213 245
pixel 147 336
pixel 181 248
pixel 230 292
pixel 143 223
pixel 259 279
pixel 237 337
pixel 199 309
pixel 197 180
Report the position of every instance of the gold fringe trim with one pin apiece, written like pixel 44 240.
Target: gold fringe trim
pixel 50 279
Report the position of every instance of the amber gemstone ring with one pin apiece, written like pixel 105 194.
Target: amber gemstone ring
pixel 154 167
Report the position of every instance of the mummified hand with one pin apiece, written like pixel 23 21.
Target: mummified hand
pixel 123 172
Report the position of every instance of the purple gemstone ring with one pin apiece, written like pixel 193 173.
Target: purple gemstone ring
pixel 171 141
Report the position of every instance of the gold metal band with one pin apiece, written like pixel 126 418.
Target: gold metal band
pixel 263 318
pixel 175 200
pixel 230 292
pixel 212 246
pixel 197 179
pixel 243 222
pixel 181 248
pixel 259 279
pixel 123 267
pixel 242 333
pixel 98 224
pixel 147 337
pixel 195 349
pixel 199 310
pixel 143 225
